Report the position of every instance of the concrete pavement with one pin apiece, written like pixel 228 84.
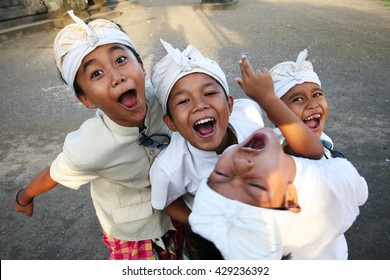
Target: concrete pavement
pixel 348 42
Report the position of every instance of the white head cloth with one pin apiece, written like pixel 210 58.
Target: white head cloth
pixel 289 74
pixel 239 231
pixel 176 65
pixel 77 40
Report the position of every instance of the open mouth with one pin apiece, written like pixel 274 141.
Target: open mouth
pixel 256 142
pixel 313 122
pixel 205 127
pixel 128 99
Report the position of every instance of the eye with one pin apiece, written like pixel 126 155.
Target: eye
pixel 219 173
pixel 183 101
pixel 210 93
pixel 96 73
pixel 318 94
pixel 121 59
pixel 257 185
pixel 298 99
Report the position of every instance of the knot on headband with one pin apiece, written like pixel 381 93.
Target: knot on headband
pixel 176 65
pixel 186 65
pixel 288 74
pixel 77 40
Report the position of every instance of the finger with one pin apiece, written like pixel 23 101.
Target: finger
pixel 247 66
pixel 264 70
pixel 240 82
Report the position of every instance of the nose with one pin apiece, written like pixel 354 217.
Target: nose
pixel 312 104
pixel 243 164
pixel 200 104
pixel 117 78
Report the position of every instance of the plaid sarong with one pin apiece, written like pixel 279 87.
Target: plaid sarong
pixel 142 249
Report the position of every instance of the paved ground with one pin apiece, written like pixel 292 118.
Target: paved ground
pixel 348 42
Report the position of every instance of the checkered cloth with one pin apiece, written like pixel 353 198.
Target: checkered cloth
pixel 143 249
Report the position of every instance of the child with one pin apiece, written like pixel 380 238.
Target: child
pixel 260 203
pixel 194 93
pixel 113 151
pixel 299 87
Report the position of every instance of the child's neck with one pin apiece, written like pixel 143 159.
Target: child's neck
pixel 228 140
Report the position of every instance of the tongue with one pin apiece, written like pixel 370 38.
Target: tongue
pixel 311 124
pixel 204 129
pixel 128 99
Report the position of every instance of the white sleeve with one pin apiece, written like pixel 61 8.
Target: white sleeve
pixel 63 171
pixel 165 187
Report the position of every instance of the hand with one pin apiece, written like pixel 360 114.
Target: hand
pixel 258 84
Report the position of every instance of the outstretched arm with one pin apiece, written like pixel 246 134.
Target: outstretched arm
pixel 259 86
pixel 39 185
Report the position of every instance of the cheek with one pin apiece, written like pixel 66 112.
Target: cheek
pixel 296 109
pixel 277 190
pixel 324 106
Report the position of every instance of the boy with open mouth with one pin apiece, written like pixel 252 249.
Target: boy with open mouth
pixel 113 151
pixel 299 87
pixel 194 94
pixel 261 203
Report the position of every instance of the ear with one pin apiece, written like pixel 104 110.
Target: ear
pixel 87 103
pixel 168 121
pixel 230 102
pixel 291 199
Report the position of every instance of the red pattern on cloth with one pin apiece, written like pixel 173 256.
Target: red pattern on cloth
pixel 143 249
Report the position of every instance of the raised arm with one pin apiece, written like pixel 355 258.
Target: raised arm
pixel 259 86
pixel 40 184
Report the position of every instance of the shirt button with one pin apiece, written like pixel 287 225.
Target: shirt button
pixel 151 152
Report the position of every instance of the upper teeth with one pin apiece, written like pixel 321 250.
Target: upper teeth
pixel 204 121
pixel 313 117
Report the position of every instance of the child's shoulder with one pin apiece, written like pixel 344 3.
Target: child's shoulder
pixel 176 149
pixel 98 135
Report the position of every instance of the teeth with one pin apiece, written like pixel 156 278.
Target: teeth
pixel 313 117
pixel 204 121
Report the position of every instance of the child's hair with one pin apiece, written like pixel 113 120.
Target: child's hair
pixel 176 65
pixel 77 40
pixel 288 74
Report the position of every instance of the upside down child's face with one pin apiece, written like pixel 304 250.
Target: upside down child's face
pixel 113 80
pixel 308 102
pixel 254 172
pixel 200 111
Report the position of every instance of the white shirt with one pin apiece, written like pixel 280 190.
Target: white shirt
pixel 329 194
pixel 109 157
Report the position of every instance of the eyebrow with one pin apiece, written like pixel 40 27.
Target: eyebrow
pixel 295 94
pixel 110 50
pixel 181 92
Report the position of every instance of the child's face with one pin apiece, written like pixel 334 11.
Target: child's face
pixel 199 111
pixel 113 80
pixel 308 102
pixel 253 172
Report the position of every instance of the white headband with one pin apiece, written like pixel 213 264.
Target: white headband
pixel 176 65
pixel 238 230
pixel 288 74
pixel 77 40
